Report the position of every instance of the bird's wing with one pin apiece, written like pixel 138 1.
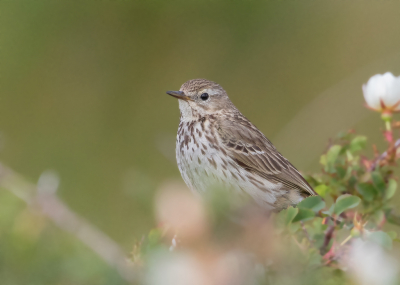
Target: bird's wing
pixel 251 150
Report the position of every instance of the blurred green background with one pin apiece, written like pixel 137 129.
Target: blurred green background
pixel 83 87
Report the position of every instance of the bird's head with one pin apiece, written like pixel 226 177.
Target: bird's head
pixel 201 97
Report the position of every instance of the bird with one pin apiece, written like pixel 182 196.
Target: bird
pixel 217 145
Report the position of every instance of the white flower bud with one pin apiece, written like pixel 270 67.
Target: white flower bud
pixel 383 88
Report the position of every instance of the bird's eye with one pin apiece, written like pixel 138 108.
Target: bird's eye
pixel 204 96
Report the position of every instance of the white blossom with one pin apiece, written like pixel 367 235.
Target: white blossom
pixel 176 269
pixel 383 88
pixel 371 265
pixel 202 268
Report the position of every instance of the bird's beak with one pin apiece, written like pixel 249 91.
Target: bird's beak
pixel 179 95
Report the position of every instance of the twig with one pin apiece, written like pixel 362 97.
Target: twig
pixel 383 156
pixel 328 237
pixel 346 240
pixel 63 217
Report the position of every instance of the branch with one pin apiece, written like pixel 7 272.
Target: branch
pixel 327 238
pixel 45 198
pixel 383 156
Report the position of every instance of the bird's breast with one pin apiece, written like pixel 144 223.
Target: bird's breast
pixel 197 154
pixel 205 164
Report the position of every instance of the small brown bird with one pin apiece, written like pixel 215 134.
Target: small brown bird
pixel 217 146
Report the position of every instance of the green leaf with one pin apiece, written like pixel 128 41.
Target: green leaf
pixel 154 238
pixel 377 217
pixel 367 190
pixel 381 238
pixel 314 257
pixel 322 190
pixel 290 214
pixel 391 189
pixel 293 228
pixel 322 160
pixel 304 215
pixel 350 157
pixel 318 226
pixel 331 157
pixel 346 202
pixel 314 203
pixel 378 181
pixel 358 143
pixel 341 172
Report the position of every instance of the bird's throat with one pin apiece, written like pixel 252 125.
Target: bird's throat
pixel 186 111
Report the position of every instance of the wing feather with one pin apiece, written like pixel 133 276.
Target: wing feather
pixel 251 150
